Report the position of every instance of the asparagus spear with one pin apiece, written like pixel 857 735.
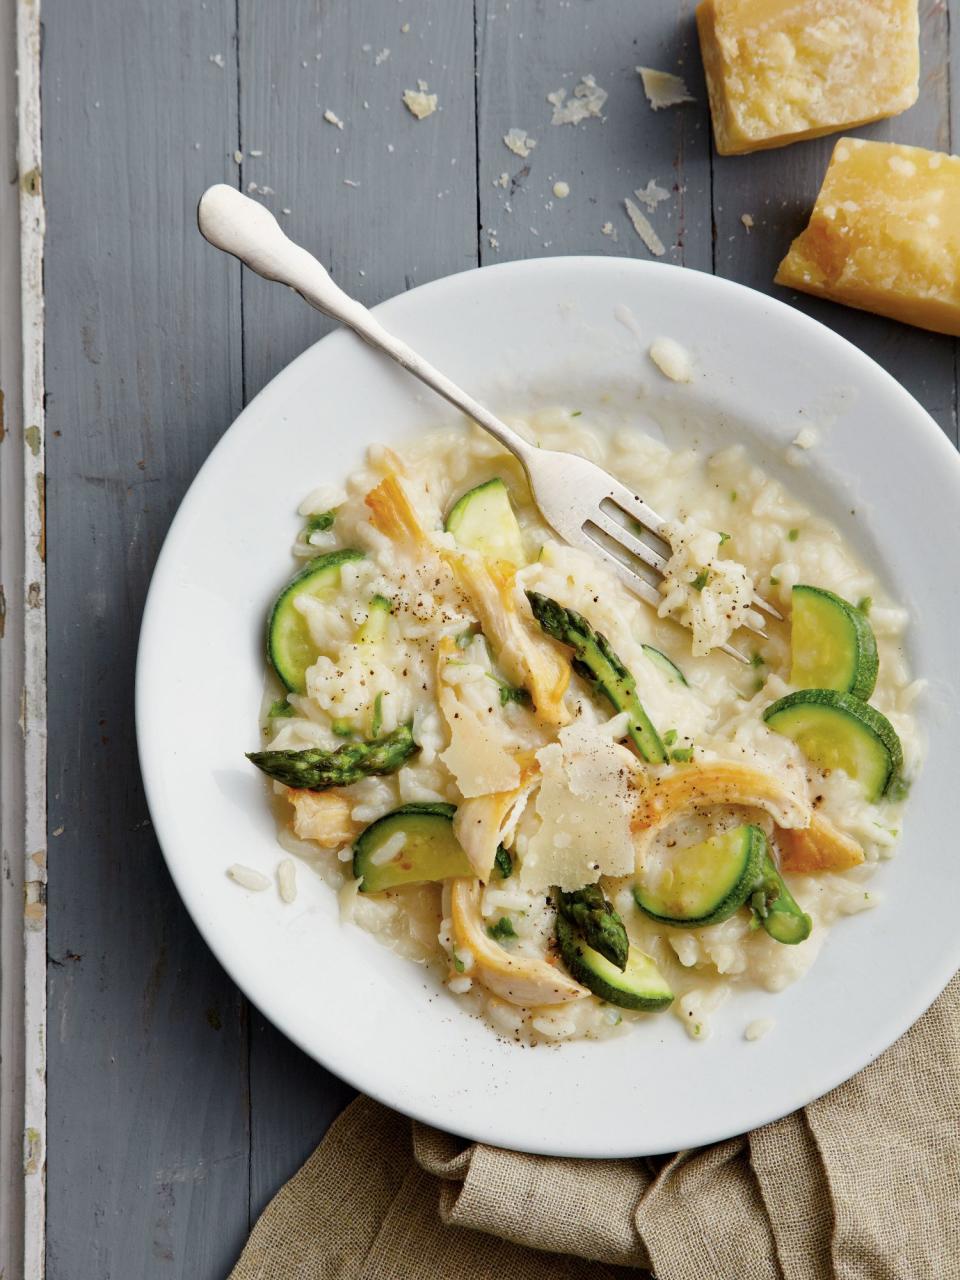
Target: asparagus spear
pixel 602 929
pixel 776 908
pixel 597 663
pixel 317 770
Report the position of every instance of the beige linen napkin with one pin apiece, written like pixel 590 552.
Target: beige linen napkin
pixel 862 1185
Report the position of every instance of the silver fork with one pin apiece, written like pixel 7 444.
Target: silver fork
pixel 585 505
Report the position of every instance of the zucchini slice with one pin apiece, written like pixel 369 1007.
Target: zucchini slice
pixel 641 985
pixel 668 669
pixel 374 627
pixel 832 642
pixel 289 647
pixel 428 851
pixel 837 731
pixel 776 908
pixel 706 883
pixel 483 520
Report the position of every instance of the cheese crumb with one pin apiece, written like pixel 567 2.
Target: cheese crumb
pixel 218 60
pixel 502 181
pixel 644 229
pixel 663 89
pixel 238 157
pixel 757 1029
pixel 381 57
pixel 747 220
pixel 420 103
pixel 806 438
pixel 519 142
pixel 652 195
pixel 405 29
pixel 332 118
pixel 561 190
pixel 587 100
pixel 608 229
pixel 672 360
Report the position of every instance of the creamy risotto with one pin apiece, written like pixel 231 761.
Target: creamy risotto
pixel 573 807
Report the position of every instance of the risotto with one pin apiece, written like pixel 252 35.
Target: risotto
pixel 575 808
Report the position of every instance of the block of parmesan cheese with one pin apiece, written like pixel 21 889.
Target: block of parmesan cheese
pixel 781 70
pixel 884 235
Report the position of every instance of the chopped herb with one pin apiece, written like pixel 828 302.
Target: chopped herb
pixel 733 495
pixel 669 738
pixel 697 1028
pixel 576 413
pixel 756 660
pixel 725 537
pixel 758 684
pixel 774 582
pixel 458 963
pixel 701 580
pixel 503 863
pixel 376 723
pixel 322 522
pixel 510 693
pixel 865 604
pixel 280 708
pixel 793 534
pixel 465 638
pixel 682 755
pixel 342 728
pixel 502 929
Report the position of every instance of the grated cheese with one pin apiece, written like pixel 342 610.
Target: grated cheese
pixel 420 103
pixel 652 195
pixel 644 229
pixel 663 89
pixel 519 142
pixel 584 808
pixel 587 100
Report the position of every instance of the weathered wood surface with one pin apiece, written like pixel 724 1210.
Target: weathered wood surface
pixel 174 1110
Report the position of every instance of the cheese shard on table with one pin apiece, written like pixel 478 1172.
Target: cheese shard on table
pixel 884 235
pixel 584 804
pixel 781 70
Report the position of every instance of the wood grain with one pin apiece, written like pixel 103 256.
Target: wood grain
pixel 148 1105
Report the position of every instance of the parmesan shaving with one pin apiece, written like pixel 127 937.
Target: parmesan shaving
pixel 420 103
pixel 644 229
pixel 663 89
pixel 584 806
pixel 587 100
pixel 519 142
pixel 652 195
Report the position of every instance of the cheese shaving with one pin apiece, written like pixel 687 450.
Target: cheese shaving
pixel 644 229
pixel 651 195
pixel 519 142
pixel 587 100
pixel 584 806
pixel 419 103
pixel 663 89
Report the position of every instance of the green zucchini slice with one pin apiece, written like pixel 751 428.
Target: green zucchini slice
pixel 428 851
pixel 640 985
pixel 375 626
pixel 483 520
pixel 832 642
pixel 837 731
pixel 289 647
pixel 705 883
pixel 776 908
pixel 668 669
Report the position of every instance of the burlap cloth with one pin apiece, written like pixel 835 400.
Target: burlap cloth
pixel 862 1185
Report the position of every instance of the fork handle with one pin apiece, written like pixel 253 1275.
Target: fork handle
pixel 233 222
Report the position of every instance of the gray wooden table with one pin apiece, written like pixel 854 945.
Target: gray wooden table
pixel 174 1109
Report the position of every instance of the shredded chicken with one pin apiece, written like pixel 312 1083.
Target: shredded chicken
pixel 484 823
pixel 323 816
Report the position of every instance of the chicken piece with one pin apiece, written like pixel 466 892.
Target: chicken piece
pixel 484 823
pixel 517 979
pixel 819 847
pixel 323 816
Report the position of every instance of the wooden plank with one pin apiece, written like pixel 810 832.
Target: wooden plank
pixel 527 49
pixel 411 217
pixel 777 188
pixel 147 1120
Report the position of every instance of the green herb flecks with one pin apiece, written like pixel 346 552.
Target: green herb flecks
pixel 502 929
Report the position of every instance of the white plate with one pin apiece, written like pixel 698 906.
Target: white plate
pixel 521 336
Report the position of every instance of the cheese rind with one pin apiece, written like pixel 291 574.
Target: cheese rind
pixel 884 235
pixel 782 70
